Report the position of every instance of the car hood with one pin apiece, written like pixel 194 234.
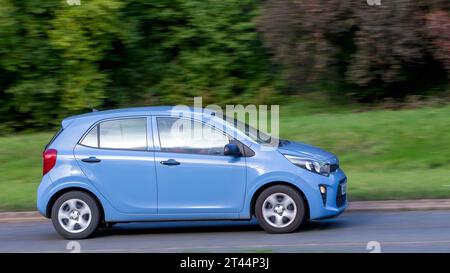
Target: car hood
pixel 306 151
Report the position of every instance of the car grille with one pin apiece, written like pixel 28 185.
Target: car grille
pixel 334 167
pixel 341 198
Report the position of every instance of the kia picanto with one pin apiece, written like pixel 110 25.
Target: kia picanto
pixel 157 164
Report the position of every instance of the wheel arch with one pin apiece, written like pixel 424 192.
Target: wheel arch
pixel 56 195
pixel 274 183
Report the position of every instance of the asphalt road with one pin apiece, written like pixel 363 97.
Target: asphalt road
pixel 413 231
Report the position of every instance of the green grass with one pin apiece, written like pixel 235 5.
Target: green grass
pixel 21 169
pixel 386 154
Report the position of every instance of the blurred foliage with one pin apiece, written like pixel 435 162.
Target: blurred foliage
pixel 58 59
pixel 369 52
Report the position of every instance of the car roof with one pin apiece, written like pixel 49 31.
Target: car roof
pixel 151 110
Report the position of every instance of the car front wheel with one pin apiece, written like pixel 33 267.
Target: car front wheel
pixel 280 209
pixel 75 215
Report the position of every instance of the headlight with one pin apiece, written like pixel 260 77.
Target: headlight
pixel 314 166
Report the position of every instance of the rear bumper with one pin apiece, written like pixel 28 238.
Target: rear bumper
pixel 43 196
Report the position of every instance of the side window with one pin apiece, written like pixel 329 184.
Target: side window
pixel 124 134
pixel 187 136
pixel 129 134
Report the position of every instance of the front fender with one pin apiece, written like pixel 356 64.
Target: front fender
pixel 312 197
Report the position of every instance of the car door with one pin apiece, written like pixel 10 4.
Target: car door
pixel 194 175
pixel 115 156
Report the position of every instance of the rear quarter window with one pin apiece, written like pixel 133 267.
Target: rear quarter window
pixel 91 139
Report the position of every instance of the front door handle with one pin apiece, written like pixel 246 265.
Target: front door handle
pixel 91 159
pixel 170 162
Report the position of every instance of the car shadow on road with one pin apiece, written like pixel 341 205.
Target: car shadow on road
pixel 148 228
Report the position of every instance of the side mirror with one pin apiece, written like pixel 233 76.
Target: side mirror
pixel 231 149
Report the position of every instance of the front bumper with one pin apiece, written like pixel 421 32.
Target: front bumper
pixel 335 202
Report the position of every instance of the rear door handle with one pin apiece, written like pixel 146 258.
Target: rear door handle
pixel 91 159
pixel 170 162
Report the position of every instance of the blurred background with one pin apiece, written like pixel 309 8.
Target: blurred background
pixel 367 80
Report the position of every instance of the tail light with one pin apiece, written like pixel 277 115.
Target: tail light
pixel 49 160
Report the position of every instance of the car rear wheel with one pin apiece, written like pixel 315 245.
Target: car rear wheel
pixel 76 215
pixel 280 209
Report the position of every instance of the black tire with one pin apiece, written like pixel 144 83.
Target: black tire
pixel 282 190
pixel 94 215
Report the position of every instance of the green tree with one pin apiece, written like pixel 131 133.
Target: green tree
pixel 82 35
pixel 171 51
pixel 28 89
pixel 57 59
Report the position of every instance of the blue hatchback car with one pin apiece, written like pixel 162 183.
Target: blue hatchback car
pixel 130 165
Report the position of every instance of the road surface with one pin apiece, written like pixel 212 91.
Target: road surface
pixel 413 231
